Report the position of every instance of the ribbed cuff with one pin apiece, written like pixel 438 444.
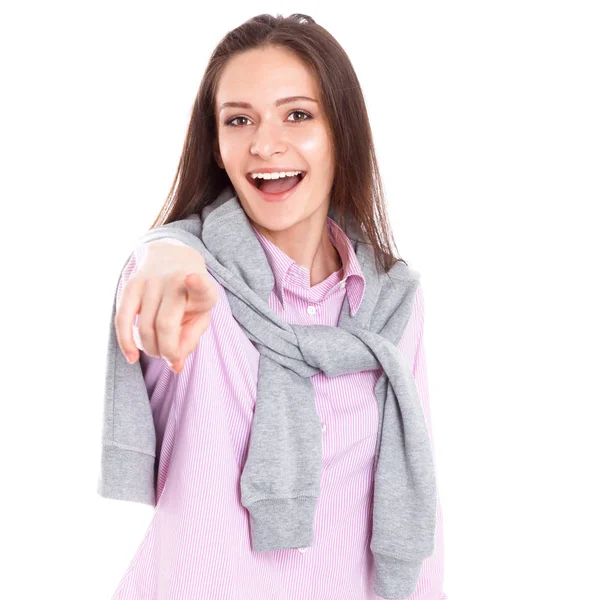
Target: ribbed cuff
pixel 284 523
pixel 395 579
pixel 126 475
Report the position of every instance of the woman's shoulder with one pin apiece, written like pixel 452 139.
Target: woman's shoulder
pixel 401 270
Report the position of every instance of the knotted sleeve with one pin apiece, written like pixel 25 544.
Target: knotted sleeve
pixel 427 578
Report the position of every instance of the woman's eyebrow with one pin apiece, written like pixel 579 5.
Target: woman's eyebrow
pixel 278 102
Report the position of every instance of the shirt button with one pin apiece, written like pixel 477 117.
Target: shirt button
pixel 323 427
pixel 343 284
pixel 302 550
pixel 311 310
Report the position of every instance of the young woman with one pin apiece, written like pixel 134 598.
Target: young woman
pixel 279 120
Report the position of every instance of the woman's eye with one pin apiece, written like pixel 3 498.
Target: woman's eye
pixel 234 119
pixel 300 112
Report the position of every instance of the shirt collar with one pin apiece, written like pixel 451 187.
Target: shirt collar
pixel 286 270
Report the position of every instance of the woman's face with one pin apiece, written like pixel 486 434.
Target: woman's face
pixel 293 135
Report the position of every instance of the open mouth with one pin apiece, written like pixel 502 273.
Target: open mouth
pixel 258 182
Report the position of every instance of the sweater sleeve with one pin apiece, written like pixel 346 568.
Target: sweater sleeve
pixel 430 580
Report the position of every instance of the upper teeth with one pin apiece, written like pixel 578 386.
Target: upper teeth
pixel 274 175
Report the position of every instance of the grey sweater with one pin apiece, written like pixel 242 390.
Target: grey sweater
pixel 280 481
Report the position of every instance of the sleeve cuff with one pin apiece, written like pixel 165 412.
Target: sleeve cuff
pixel 395 579
pixel 126 475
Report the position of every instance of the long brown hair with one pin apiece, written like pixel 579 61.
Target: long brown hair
pixel 357 200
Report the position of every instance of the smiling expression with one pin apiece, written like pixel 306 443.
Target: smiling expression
pixel 257 132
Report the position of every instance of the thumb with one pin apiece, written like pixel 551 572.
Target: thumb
pixel 197 292
pixel 194 281
pixel 192 277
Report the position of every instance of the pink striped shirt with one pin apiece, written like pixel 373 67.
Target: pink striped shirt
pixel 198 542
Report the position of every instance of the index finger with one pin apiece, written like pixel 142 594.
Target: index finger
pixel 130 305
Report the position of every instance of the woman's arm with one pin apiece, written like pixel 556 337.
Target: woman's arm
pixel 132 426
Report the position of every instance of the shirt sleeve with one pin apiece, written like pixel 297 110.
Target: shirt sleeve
pixel 430 581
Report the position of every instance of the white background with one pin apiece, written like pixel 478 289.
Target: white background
pixel 483 122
